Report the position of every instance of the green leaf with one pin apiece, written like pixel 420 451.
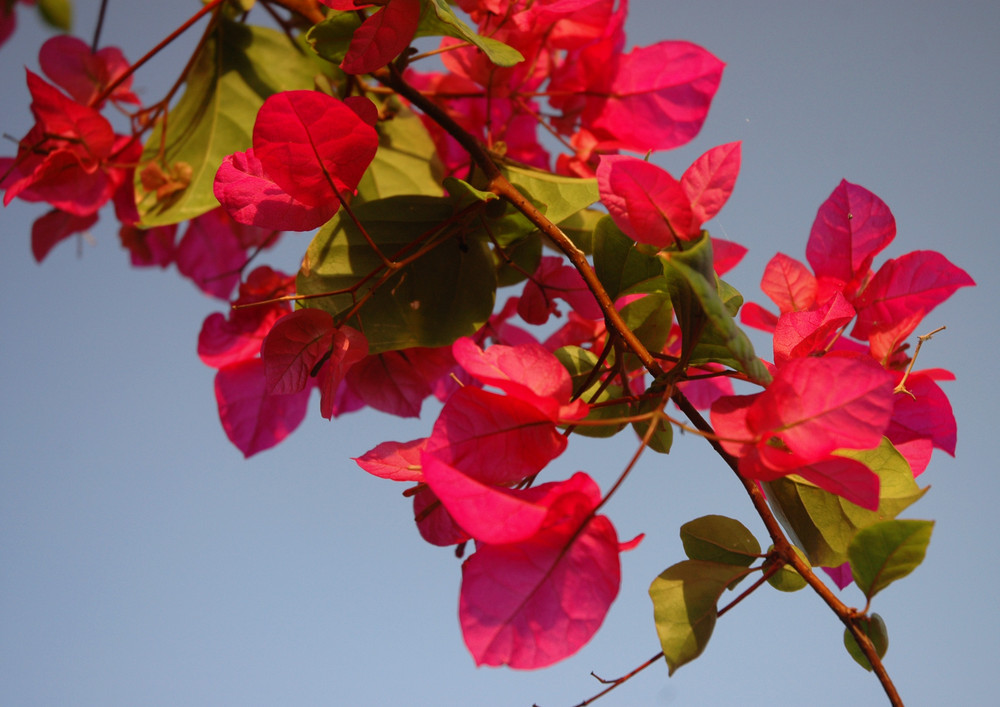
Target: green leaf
pixel 237 69
pixel 446 293
pixel 684 606
pixel 444 22
pixel 824 524
pixel 406 162
pixel 703 315
pixel 663 436
pixel 580 362
pixel 560 196
pixel 719 539
pixel 651 319
pixel 331 38
pixel 57 13
pixel 462 193
pixel 525 253
pixel 785 579
pixel 579 228
pixel 884 552
pixel 622 265
pixel 874 628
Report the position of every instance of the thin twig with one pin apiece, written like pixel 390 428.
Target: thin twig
pixel 901 387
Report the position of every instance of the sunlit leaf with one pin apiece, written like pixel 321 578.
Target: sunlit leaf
pixel 884 552
pixel 684 606
pixel 444 21
pixel 823 524
pixel 236 70
pixel 561 196
pixel 406 162
pixel 719 539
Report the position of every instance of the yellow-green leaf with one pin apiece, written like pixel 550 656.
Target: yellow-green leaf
pixel 884 552
pixel 684 606
pixel 237 69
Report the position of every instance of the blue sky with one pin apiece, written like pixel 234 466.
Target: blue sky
pixel 144 561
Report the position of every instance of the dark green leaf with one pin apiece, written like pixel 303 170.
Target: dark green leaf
pixel 662 437
pixel 884 552
pixel 57 13
pixel 650 318
pixel 446 293
pixel 684 606
pixel 703 315
pixel 719 539
pixel 824 524
pixel 580 362
pixel 579 228
pixel 525 254
pixel 622 265
pixel 874 628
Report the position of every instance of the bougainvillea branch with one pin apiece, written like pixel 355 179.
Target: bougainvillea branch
pixel 430 193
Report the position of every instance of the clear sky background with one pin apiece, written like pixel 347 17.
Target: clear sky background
pixel 143 561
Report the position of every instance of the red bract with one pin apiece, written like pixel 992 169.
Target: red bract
pixel 925 415
pixel 789 284
pixel 211 254
pixel 382 36
pixel 658 99
pixel 397 382
pixel 528 372
pixel 255 420
pixel 554 279
pixel 799 334
pixel 56 226
pixel 293 348
pixel 398 461
pixel 83 74
pixel 312 146
pixel 851 228
pixel 149 247
pixel 646 203
pixel 435 524
pixel 500 439
pixel 62 159
pixel 237 337
pixel 802 418
pixel 900 294
pixel 253 198
pixel 531 602
pixel 726 255
pixel 349 348
pixel 710 179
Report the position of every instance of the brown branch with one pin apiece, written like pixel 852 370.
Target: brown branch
pixel 786 551
pixel 502 187
pixel 210 7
